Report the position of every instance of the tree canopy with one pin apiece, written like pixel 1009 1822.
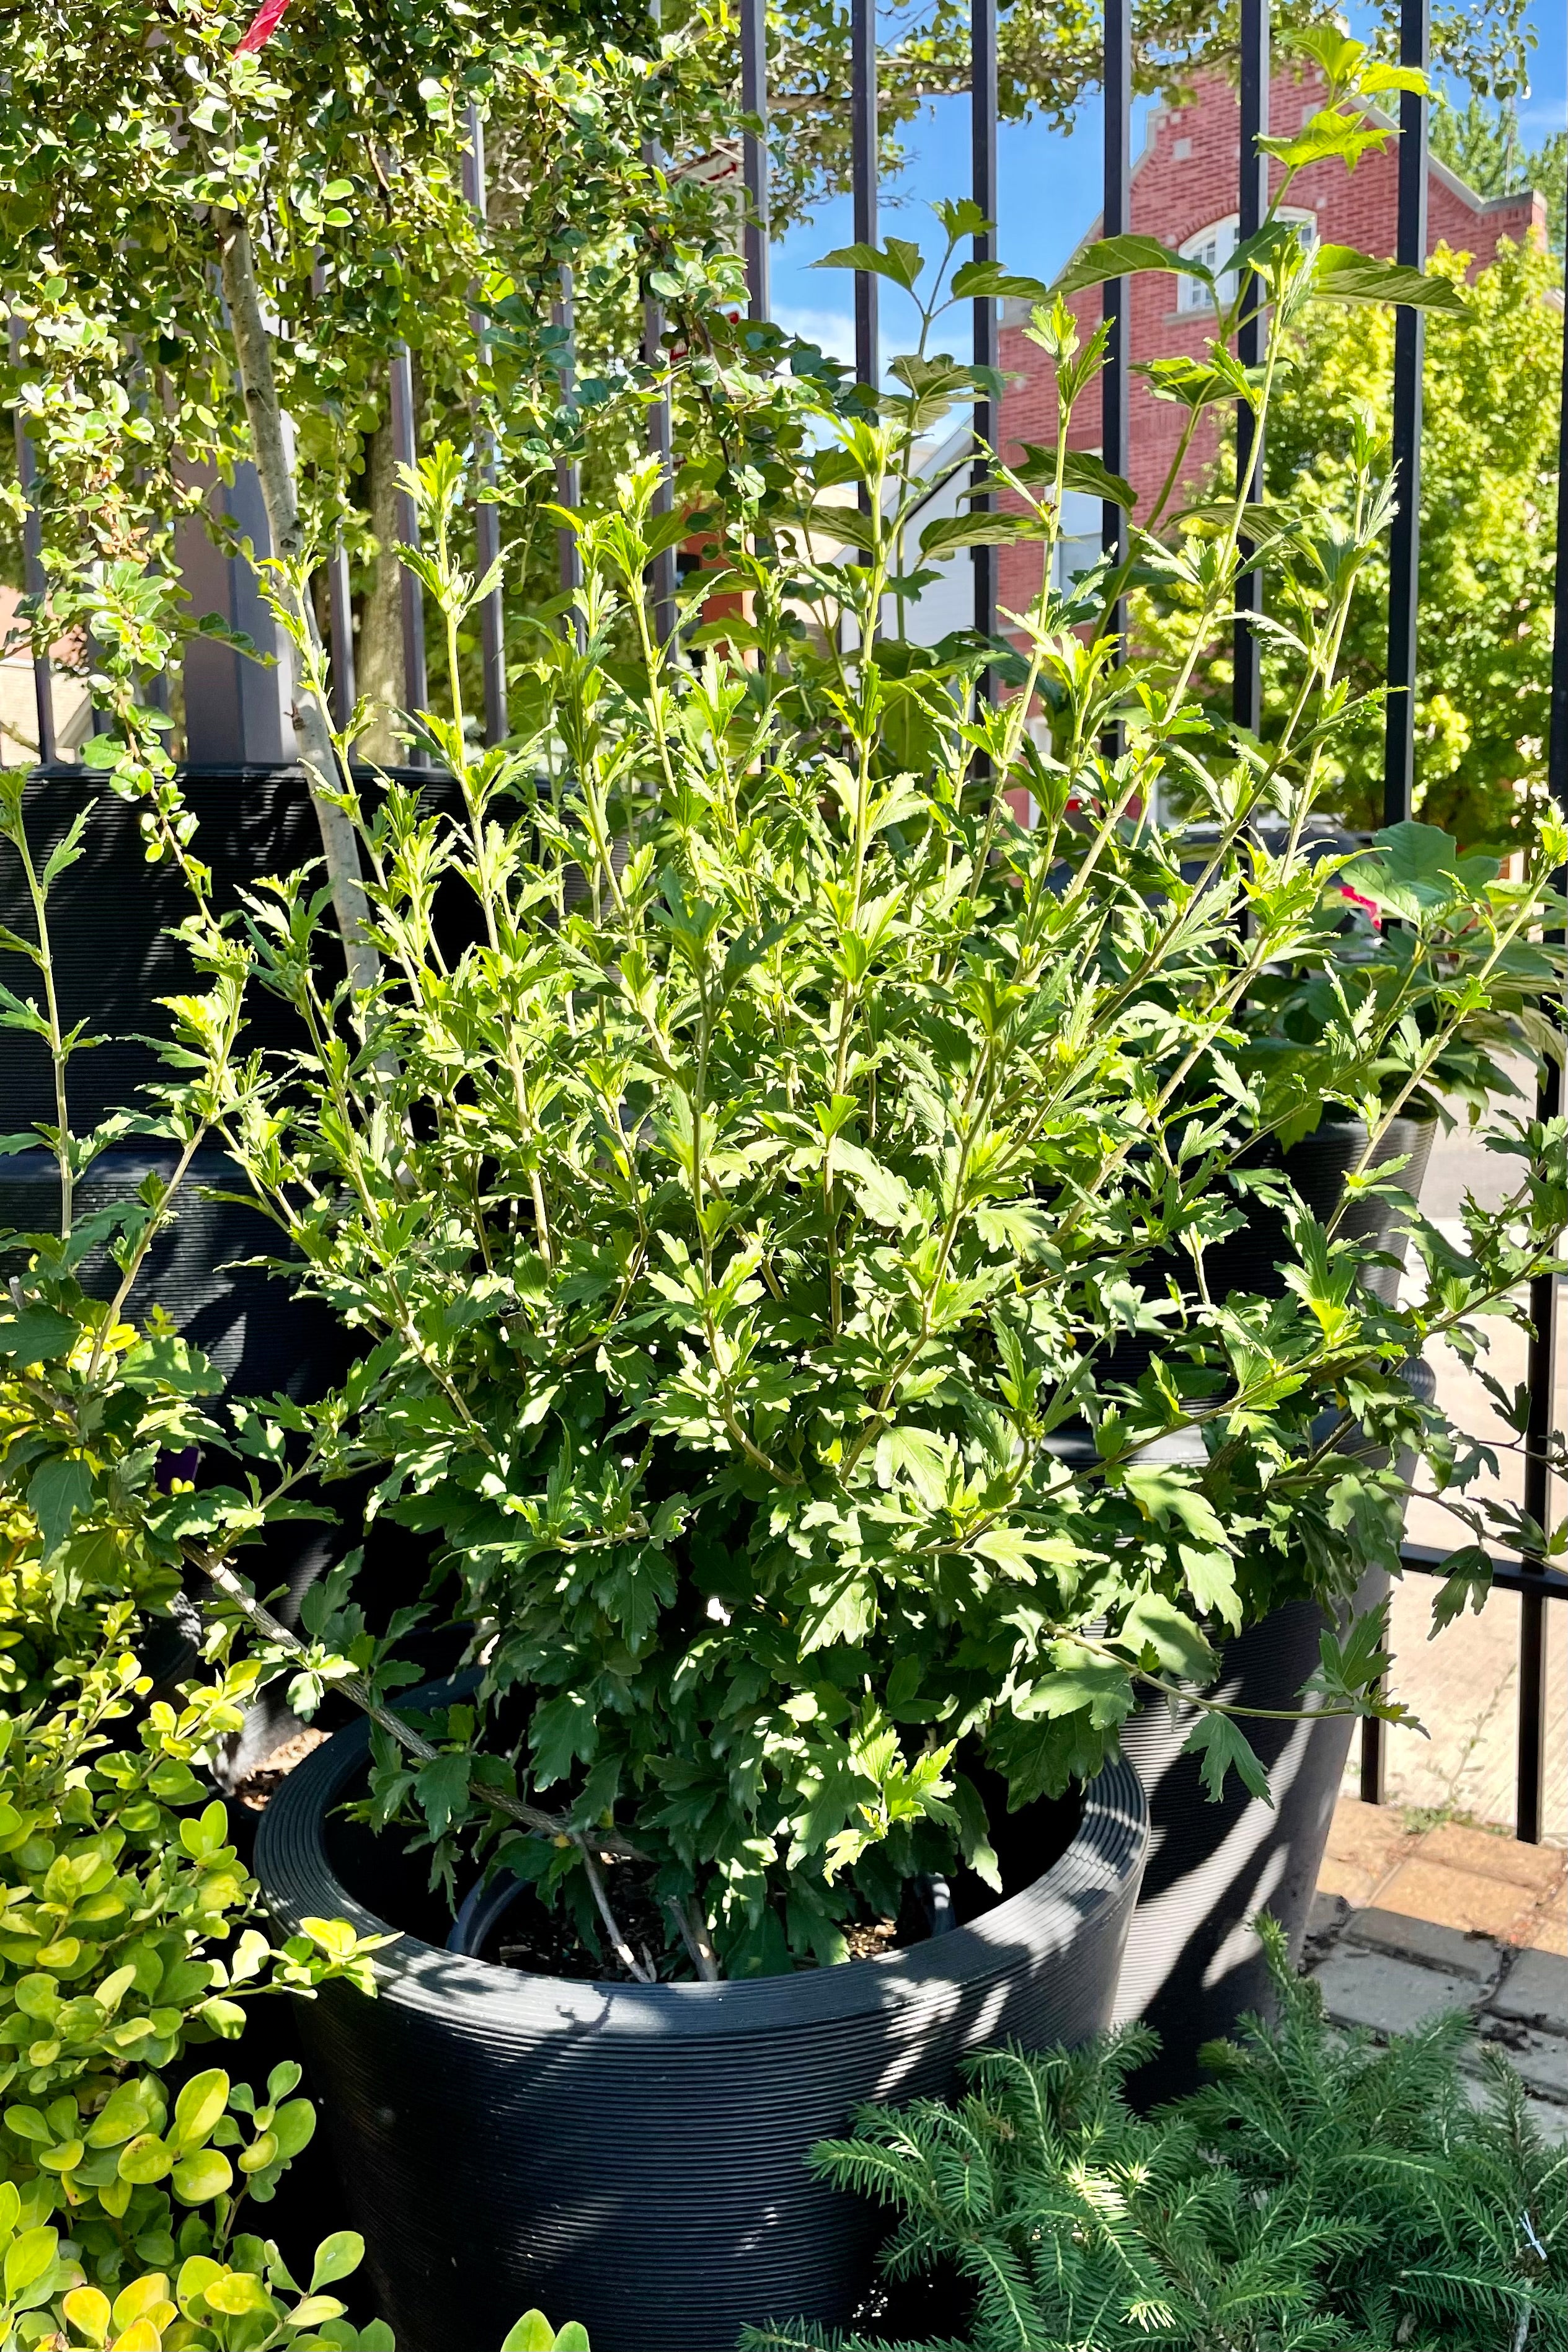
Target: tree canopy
pixel 1049 58
pixel 1484 144
pixel 1489 468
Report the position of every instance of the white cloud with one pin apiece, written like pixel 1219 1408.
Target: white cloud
pixel 833 332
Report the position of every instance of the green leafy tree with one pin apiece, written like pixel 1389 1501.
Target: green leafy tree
pixel 1489 496
pixel 1484 146
pixel 211 250
pixel 211 240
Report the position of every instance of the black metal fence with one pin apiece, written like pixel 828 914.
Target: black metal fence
pixel 1533 1579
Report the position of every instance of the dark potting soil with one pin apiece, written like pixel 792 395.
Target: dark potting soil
pixel 260 1785
pixel 540 1940
pixel 543 1942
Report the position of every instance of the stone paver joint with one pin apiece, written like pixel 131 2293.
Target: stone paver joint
pixel 1384 1963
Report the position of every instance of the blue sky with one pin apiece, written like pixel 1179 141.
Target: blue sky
pixel 1050 192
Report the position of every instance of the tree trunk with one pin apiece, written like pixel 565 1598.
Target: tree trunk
pixel 380 665
pixel 269 449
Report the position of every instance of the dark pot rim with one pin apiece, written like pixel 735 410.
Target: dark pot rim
pixel 1106 1851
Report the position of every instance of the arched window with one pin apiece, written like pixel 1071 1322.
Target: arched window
pixel 1214 245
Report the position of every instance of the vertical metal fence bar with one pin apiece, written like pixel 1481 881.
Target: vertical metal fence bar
pixel 863 170
pixel 568 473
pixel 662 570
pixel 1409 350
pixel 32 578
pixel 1405 540
pixel 661 430
pixel 1116 294
pixel 1545 1302
pixel 754 152
pixel 983 146
pixel 415 686
pixel 487 518
pixel 341 636
pixel 1247 693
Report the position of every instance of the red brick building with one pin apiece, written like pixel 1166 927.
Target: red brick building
pixel 1184 193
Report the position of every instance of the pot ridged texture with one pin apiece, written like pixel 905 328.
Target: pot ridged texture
pixel 634 2157
pixel 1193 1966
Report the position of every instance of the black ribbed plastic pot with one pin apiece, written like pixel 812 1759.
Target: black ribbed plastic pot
pixel 260 1338
pixel 1194 1965
pixel 1248 1260
pixel 111 913
pixel 634 2156
pixel 111 916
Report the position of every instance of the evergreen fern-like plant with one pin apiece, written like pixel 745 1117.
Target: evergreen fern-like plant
pixel 1321 2192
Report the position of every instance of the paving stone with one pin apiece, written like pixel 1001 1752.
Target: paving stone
pixel 1545 2113
pixel 1546 1930
pixel 1385 1994
pixel 1328 1914
pixel 1538 1868
pixel 1540 2058
pixel 1462 1954
pixel 1368 1839
pixel 1348 1881
pixel 1549 2121
pixel 1535 1991
pixel 1474 1904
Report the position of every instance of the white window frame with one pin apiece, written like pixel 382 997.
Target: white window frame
pixel 1214 245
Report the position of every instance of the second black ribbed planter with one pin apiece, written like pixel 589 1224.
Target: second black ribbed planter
pixel 634 2157
pixel 1194 1965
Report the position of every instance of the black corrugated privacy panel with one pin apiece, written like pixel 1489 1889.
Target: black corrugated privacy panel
pixel 633 2157
pixel 259 1337
pixel 110 912
pixel 108 915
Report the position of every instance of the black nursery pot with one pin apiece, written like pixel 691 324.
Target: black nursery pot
pixel 633 2157
pixel 1194 1965
pixel 261 1339
pixel 111 915
pixel 111 918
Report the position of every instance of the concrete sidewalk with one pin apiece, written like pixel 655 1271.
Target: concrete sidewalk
pixel 1408 1923
pixel 1464 1685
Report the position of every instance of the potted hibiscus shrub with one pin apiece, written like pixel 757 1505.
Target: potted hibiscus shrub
pixel 739 1176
